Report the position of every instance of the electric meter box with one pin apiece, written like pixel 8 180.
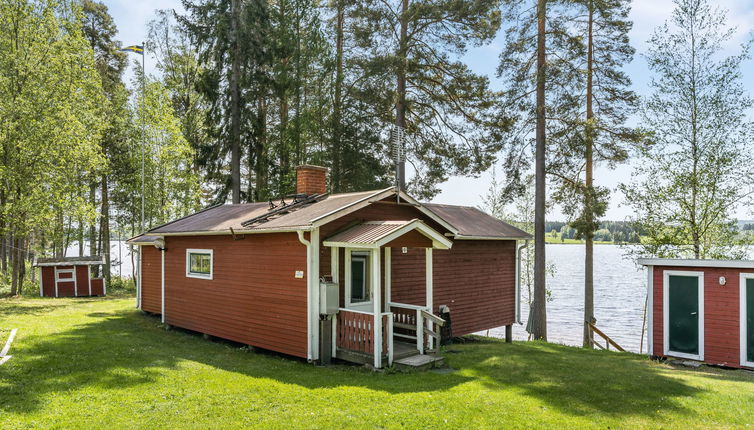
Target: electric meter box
pixel 329 298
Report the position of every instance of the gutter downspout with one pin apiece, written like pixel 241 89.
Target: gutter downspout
pixel 519 248
pixel 310 299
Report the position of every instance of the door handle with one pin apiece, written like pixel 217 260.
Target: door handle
pixel 693 313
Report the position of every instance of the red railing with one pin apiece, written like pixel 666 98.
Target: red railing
pixel 355 331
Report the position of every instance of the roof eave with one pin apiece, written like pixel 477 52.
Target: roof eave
pixel 467 237
pixel 680 262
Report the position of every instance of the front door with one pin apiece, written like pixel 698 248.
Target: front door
pixel 358 291
pixel 747 307
pixel 683 315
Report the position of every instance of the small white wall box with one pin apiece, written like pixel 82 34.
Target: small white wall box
pixel 722 280
pixel 299 274
pixel 404 250
pixel 329 298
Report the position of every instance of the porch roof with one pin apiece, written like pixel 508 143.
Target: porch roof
pixel 373 234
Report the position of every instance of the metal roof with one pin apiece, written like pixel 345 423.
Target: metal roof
pixel 368 232
pixel 70 261
pixel 378 233
pixel 472 223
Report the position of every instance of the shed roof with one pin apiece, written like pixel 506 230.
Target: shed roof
pixel 688 262
pixel 70 261
pixel 473 223
pixel 144 239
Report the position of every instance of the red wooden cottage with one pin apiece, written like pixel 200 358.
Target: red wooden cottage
pixel 69 277
pixel 701 310
pixel 359 276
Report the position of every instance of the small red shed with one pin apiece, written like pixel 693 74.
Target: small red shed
pixel 701 310
pixel 69 277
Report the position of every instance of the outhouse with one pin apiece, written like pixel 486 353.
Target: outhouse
pixel 70 277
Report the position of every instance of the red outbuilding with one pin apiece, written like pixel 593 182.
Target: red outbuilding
pixel 366 276
pixel 701 310
pixel 69 277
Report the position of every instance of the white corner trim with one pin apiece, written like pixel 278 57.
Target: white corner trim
pixel 162 287
pixel 742 317
pixel 189 273
pixel 650 310
pixel 666 314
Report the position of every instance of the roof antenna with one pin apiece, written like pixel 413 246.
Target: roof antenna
pixel 398 149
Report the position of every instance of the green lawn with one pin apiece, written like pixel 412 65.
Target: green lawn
pixel 88 363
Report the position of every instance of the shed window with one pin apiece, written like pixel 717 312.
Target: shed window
pixel 199 263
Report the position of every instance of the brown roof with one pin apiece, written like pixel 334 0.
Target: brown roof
pixel 472 222
pixel 223 218
pixel 468 221
pixel 70 261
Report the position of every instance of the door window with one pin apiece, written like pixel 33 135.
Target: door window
pixel 359 279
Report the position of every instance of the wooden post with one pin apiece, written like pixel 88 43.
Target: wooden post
pixel 430 290
pixel 377 307
pixel 508 334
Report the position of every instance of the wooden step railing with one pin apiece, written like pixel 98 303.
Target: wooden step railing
pixel 605 337
pixel 355 331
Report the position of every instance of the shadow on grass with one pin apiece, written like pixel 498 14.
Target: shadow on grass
pixel 578 381
pixel 126 348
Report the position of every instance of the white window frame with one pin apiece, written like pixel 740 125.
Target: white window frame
pixel 742 318
pixel 368 303
pixel 190 274
pixel 666 313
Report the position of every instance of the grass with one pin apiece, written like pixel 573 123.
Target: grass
pixel 87 363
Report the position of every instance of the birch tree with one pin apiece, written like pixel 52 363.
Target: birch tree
pixel 689 183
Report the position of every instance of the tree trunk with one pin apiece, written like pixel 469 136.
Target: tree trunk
pixel 335 153
pixel 589 189
pixel 538 308
pixel 105 229
pixel 235 104
pixel 260 156
pixel 92 226
pixel 400 106
pixel 81 237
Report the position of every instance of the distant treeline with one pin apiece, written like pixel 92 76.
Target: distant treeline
pixel 609 231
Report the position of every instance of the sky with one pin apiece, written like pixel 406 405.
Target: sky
pixel 132 16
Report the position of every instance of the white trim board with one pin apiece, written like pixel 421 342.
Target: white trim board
pixel 666 314
pixel 189 273
pixel 742 316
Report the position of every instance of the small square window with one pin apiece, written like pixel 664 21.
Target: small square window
pixel 199 263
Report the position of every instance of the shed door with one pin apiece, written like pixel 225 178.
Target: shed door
pixel 749 320
pixel 683 314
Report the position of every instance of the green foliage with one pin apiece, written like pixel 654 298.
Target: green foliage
pixel 687 185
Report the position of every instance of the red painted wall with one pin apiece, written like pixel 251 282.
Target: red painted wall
pixel 253 298
pixel 721 313
pixel 476 279
pixel 48 281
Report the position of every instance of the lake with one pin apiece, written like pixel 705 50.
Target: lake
pixel 619 293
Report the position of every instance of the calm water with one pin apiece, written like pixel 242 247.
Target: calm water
pixel 619 295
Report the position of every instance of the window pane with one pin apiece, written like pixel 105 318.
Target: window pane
pixel 358 281
pixel 200 263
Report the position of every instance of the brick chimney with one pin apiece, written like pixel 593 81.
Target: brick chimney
pixel 311 180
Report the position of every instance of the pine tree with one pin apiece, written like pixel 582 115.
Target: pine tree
pixel 406 57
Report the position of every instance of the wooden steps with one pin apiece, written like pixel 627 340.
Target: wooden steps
pixel 419 362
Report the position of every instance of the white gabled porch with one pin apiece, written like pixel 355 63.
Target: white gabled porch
pixel 370 327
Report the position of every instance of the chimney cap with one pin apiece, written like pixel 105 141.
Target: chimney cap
pixel 311 167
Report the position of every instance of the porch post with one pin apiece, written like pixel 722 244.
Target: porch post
pixel 335 272
pixel 428 267
pixel 388 280
pixel 377 310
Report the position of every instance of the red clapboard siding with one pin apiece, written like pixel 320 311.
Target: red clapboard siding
pixel 253 298
pixel 98 287
pixel 151 283
pixel 721 313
